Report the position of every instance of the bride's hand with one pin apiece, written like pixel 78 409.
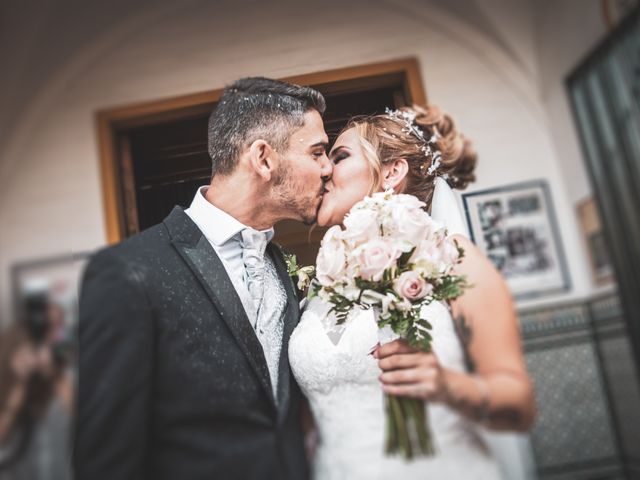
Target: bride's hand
pixel 408 372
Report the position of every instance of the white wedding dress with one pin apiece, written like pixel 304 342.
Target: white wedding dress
pixel 340 378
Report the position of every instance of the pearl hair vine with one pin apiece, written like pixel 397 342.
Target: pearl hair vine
pixel 429 144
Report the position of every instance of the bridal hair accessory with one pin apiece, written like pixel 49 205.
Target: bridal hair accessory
pixel 429 144
pixel 444 206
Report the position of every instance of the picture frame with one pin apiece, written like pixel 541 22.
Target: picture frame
pixel 55 279
pixel 595 242
pixel 516 228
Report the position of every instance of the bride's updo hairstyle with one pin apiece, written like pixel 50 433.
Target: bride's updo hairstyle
pixel 385 138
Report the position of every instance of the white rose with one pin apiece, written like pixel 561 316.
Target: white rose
pixel 427 258
pixel 409 201
pixel 360 226
pixel 331 260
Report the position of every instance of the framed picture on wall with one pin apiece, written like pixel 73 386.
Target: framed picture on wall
pixel 601 267
pixel 515 227
pixel 45 292
pixel 615 10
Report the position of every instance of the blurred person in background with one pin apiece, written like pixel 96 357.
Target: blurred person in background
pixel 36 393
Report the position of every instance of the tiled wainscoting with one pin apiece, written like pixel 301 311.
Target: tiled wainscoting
pixel 587 391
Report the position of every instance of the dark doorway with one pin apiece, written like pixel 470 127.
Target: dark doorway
pixel 168 161
pixel 154 155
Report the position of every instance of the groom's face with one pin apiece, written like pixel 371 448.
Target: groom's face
pixel 303 170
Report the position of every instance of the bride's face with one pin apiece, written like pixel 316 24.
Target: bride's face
pixel 350 181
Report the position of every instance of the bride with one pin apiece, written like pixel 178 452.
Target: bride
pixel 475 375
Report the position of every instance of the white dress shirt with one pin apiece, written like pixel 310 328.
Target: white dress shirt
pixel 224 234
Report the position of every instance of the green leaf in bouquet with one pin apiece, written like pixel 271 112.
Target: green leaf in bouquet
pixel 419 337
pixel 341 306
pixel 292 263
pixel 403 261
pixel 460 250
pixel 314 290
pixel 365 284
pixel 426 323
pixel 450 287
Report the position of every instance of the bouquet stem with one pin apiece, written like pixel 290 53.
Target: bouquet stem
pixel 407 430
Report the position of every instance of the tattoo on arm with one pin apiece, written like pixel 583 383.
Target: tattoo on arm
pixel 464 332
pixel 506 418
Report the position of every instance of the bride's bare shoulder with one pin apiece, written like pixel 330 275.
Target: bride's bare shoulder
pixel 475 263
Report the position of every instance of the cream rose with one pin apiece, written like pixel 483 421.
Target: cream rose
pixel 331 260
pixel 411 286
pixel 376 256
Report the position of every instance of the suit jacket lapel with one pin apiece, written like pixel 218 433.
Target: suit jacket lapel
pixel 291 318
pixel 200 256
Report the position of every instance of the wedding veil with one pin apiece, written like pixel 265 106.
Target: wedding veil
pixel 445 209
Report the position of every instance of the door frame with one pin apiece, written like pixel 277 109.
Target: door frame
pixel 112 120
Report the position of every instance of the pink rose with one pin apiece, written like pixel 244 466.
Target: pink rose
pixel 411 286
pixel 331 260
pixel 376 256
pixel 413 223
pixel 450 254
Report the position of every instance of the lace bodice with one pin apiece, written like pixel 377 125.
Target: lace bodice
pixel 335 370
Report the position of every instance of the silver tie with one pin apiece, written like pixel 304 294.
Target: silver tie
pixel 253 246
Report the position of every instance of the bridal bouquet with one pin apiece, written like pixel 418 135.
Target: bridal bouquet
pixel 392 257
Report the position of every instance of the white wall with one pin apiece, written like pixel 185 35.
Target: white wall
pixel 564 39
pixel 501 84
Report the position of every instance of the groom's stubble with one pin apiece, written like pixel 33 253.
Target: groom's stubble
pixel 292 195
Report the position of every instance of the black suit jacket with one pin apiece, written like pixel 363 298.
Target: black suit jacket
pixel 173 382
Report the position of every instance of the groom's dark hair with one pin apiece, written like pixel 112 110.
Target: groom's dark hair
pixel 255 108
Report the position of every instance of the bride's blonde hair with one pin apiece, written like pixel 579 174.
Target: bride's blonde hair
pixel 383 140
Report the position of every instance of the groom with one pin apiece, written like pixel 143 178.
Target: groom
pixel 184 328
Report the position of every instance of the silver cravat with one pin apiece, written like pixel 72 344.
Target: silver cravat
pixel 268 296
pixel 253 246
